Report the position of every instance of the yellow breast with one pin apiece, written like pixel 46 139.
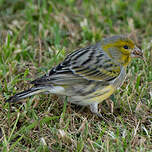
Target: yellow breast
pixel 100 95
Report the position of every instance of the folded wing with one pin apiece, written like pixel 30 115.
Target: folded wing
pixel 87 64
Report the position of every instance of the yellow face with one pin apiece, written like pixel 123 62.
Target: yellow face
pixel 121 49
pixel 125 46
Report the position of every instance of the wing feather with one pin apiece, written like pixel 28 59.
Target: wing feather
pixel 87 64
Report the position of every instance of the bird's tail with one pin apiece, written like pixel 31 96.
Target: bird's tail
pixel 26 93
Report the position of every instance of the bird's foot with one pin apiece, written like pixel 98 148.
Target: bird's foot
pixel 94 109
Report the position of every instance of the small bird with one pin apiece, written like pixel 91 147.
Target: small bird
pixel 88 75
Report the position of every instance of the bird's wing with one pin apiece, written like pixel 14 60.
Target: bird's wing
pixel 90 63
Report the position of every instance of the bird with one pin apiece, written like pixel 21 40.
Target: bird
pixel 88 75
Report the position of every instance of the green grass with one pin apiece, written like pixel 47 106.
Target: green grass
pixel 35 36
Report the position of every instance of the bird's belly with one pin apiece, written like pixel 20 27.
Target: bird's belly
pixel 101 95
pixel 95 97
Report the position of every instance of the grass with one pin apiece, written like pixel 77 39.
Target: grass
pixel 35 36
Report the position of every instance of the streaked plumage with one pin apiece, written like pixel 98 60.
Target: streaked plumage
pixel 88 75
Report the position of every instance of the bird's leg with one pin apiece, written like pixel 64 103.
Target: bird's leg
pixel 94 109
pixel 110 104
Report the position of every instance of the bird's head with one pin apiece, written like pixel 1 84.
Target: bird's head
pixel 121 49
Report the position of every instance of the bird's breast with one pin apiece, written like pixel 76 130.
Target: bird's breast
pixel 120 79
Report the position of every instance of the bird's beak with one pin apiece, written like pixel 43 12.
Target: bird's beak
pixel 137 53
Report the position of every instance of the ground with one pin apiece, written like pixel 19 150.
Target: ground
pixel 36 35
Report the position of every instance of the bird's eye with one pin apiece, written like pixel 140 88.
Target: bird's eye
pixel 125 47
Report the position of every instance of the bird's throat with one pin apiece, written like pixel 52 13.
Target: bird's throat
pixel 125 59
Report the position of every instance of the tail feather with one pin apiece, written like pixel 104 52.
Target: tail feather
pixel 26 93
